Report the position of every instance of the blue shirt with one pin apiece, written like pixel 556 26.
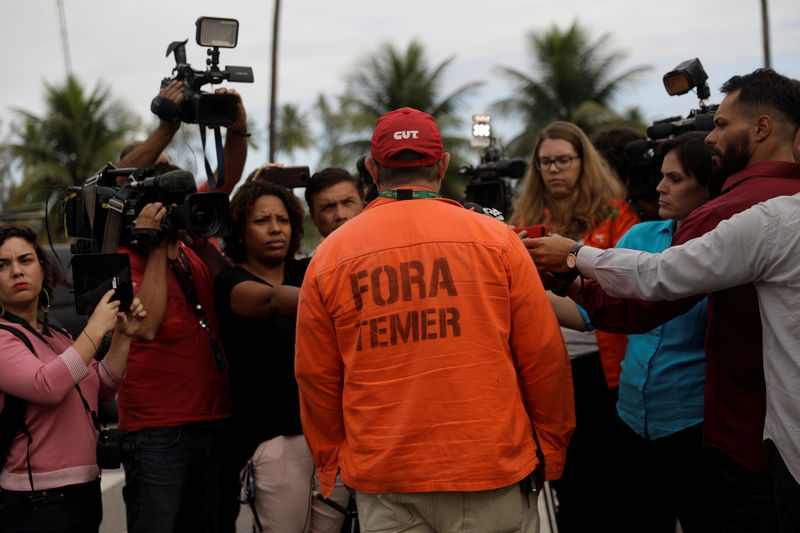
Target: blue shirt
pixel 663 373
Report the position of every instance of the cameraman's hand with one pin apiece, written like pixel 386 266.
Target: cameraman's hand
pixel 240 123
pixel 129 322
pixel 258 175
pixel 173 92
pixel 550 253
pixel 150 216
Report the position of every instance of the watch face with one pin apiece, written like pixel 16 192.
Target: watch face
pixel 571 261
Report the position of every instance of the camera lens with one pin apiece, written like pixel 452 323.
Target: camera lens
pixel 203 219
pixel 207 214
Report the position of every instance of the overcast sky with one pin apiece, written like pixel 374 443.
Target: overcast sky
pixel 123 44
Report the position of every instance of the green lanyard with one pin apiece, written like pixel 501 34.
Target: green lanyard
pixel 408 194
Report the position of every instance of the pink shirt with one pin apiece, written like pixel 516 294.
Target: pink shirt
pixel 63 451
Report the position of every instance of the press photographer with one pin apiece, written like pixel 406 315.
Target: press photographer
pixel 175 399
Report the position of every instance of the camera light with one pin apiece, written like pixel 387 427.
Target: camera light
pixel 217 32
pixel 481 118
pixel 481 130
pixel 685 77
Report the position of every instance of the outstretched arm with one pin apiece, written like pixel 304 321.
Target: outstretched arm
pixel 147 153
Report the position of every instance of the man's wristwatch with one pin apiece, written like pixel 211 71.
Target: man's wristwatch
pixel 572 256
pixel 569 276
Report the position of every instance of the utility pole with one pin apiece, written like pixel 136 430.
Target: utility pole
pixel 64 37
pixel 765 33
pixel 274 84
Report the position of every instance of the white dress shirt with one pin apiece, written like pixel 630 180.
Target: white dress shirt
pixel 761 246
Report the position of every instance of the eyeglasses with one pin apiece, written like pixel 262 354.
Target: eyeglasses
pixel 562 162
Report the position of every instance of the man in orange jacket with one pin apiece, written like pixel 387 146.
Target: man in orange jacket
pixel 432 372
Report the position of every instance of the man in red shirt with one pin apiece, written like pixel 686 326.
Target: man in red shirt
pixel 751 144
pixel 174 400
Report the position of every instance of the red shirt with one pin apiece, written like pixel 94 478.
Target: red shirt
pixel 173 380
pixel 735 394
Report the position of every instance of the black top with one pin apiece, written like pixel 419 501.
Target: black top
pixel 260 355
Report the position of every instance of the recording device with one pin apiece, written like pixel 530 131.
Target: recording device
pixel 114 447
pixel 93 275
pixel 102 214
pixel 199 107
pixel 491 183
pixel 643 177
pixel 539 230
pixel 288 177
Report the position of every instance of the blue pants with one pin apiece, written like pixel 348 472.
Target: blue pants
pixel 178 480
pixel 72 509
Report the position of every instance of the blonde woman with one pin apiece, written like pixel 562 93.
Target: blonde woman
pixel 570 188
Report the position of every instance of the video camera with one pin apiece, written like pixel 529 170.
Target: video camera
pixel 198 107
pixel 491 184
pixel 102 214
pixel 643 177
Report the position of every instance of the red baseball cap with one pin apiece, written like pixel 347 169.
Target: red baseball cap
pixel 406 129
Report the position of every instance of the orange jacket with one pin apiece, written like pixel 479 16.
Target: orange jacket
pixel 606 234
pixel 426 348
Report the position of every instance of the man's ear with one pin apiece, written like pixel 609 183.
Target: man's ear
pixel 762 127
pixel 372 168
pixel 444 162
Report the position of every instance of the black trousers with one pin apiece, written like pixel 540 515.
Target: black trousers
pixel 787 493
pixel 662 480
pixel 70 509
pixel 740 499
pixel 588 491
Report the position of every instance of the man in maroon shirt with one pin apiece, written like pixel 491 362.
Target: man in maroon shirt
pixel 751 143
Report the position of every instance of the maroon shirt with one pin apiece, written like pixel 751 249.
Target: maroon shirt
pixel 735 394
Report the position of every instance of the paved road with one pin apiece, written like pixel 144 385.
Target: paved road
pixel 114 508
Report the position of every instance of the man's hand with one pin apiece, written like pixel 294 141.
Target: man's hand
pixel 173 92
pixel 258 175
pixel 150 216
pixel 240 122
pixel 550 253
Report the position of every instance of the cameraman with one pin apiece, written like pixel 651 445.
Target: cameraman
pixel 175 398
pixel 151 150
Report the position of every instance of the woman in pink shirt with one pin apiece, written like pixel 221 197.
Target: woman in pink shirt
pixel 50 480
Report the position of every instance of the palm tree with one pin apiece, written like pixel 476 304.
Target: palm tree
pixel 334 127
pixel 77 134
pixel 391 79
pixel 569 70
pixel 293 131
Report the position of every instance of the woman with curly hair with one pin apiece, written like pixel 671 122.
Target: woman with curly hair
pixel 570 188
pixel 256 303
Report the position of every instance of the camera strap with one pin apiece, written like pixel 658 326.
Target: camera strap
pixel 183 272
pixel 114 221
pixel 220 157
